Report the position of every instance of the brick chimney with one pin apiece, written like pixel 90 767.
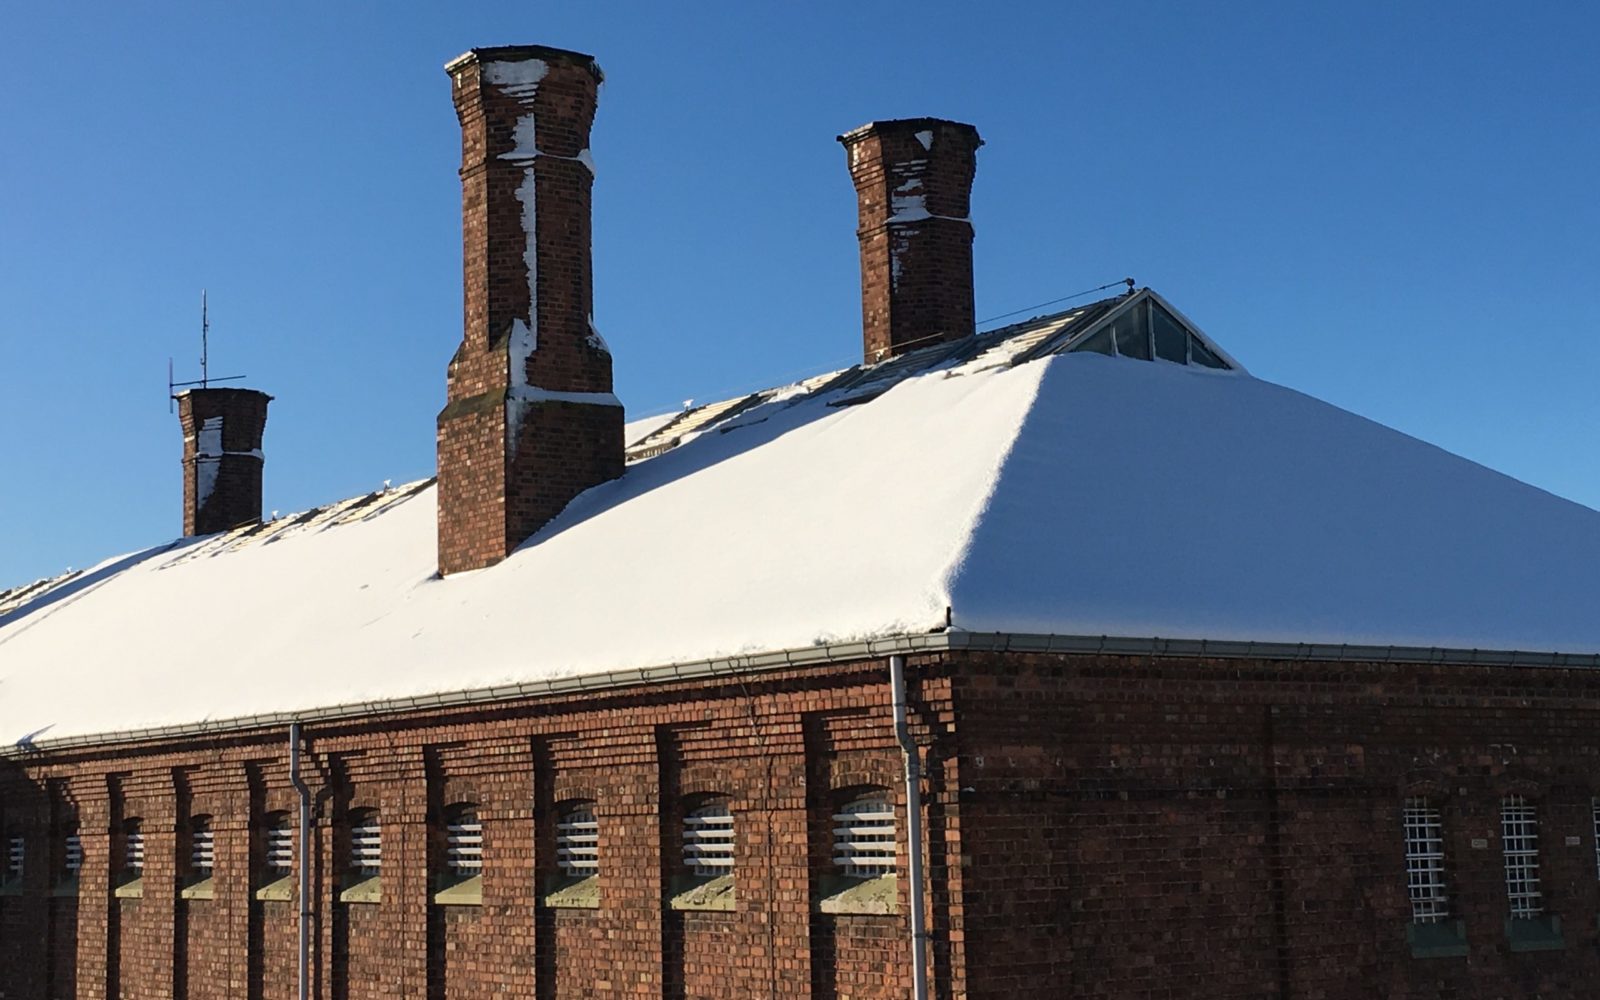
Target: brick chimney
pixel 222 460
pixel 913 181
pixel 530 421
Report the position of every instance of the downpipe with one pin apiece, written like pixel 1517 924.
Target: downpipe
pixel 913 776
pixel 303 930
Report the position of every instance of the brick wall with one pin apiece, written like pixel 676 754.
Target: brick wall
pixel 781 747
pixel 1110 827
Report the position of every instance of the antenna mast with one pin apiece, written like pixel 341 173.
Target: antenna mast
pixel 204 381
pixel 205 340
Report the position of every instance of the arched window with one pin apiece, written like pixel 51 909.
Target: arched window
pixel 708 839
pixel 463 840
pixel 277 844
pixel 864 836
pixel 366 843
pixel 578 840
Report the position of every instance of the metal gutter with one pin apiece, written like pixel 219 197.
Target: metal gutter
pixel 954 640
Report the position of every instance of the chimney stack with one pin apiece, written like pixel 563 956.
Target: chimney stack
pixel 913 180
pixel 222 431
pixel 530 421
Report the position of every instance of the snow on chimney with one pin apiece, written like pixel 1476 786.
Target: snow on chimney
pixel 913 180
pixel 222 460
pixel 531 421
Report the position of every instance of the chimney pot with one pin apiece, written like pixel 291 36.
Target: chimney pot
pixel 913 180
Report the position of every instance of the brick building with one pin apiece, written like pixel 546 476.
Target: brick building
pixel 1068 657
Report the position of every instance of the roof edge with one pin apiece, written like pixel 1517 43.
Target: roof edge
pixel 955 640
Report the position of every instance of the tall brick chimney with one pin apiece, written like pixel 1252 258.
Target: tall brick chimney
pixel 530 421
pixel 222 431
pixel 913 179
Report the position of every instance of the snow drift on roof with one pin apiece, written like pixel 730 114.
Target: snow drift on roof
pixel 1079 494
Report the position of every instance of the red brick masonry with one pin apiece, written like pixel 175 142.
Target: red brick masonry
pixel 1116 827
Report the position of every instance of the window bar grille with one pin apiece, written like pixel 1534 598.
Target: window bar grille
pixel 15 853
pixel 1424 832
pixel 133 851
pixel 578 843
pixel 708 840
pixel 74 854
pixel 280 847
pixel 1595 803
pixel 1519 841
pixel 203 852
pixel 463 837
pixel 366 846
pixel 863 838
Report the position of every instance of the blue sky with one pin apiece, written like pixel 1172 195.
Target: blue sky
pixel 1391 207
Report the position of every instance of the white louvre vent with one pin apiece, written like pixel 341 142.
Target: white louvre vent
pixel 133 850
pixel 463 838
pixel 578 843
pixel 74 853
pixel 1519 841
pixel 14 858
pixel 863 838
pixel 279 846
pixel 1424 831
pixel 708 840
pixel 366 845
pixel 203 850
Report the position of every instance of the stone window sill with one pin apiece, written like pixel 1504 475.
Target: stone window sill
pixel 132 888
pixel 1535 933
pixel 574 894
pixel 862 896
pixel 368 890
pixel 67 889
pixel 10 889
pixel 1446 939
pixel 460 892
pixel 279 890
pixel 714 894
pixel 203 889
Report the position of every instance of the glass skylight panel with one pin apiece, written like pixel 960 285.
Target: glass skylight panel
pixel 1171 339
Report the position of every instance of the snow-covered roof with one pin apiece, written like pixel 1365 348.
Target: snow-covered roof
pixel 994 486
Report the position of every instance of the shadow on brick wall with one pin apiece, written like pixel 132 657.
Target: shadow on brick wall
pixel 37 926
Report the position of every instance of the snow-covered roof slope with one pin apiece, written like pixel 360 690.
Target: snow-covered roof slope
pixel 1072 494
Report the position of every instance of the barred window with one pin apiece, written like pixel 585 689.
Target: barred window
pixel 708 839
pixel 366 842
pixel 1424 832
pixel 578 841
pixel 863 837
pixel 1595 803
pixel 463 840
pixel 15 855
pixel 73 853
pixel 133 847
pixel 202 847
pixel 278 844
pixel 1519 841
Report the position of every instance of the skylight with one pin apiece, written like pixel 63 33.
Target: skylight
pixel 1147 331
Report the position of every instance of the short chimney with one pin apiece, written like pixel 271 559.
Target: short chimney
pixel 530 420
pixel 222 431
pixel 913 181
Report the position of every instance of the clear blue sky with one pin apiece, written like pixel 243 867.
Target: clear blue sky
pixel 1389 206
